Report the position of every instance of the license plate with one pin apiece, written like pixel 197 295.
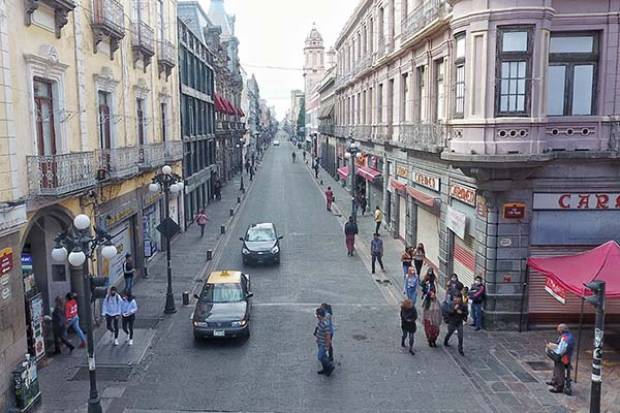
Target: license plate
pixel 218 333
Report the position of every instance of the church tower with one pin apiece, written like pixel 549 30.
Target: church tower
pixel 314 54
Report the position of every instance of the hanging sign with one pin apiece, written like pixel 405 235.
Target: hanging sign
pixel 556 290
pixel 6 260
pixel 402 171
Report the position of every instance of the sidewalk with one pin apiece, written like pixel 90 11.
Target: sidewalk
pixel 64 381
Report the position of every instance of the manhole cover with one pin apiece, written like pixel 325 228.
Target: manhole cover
pixel 539 365
pixel 146 323
pixel 359 337
pixel 104 373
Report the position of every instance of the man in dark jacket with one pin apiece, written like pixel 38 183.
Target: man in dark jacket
pixel 350 231
pixel 59 327
pixel 455 318
pixel 476 295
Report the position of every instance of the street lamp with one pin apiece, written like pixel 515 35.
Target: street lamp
pixel 167 182
pixel 82 244
pixel 353 150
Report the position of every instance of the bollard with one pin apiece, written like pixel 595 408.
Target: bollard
pixel 209 255
pixel 185 297
pixel 321 182
pixel 222 229
pixel 231 212
pixel 238 199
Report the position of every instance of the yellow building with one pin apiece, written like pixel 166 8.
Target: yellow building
pixel 88 113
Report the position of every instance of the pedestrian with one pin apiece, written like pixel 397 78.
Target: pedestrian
pixel 406 258
pixel 453 288
pixel 410 285
pixel 253 157
pixel 477 293
pixel 323 341
pixel 561 353
pixel 431 311
pixel 419 256
pixel 329 198
pixel 72 318
pixel 329 314
pixel 376 251
pixel 363 203
pixel 111 309
pixel 304 154
pixel 217 189
pixel 128 271
pixel 350 231
pixel 202 219
pixel 408 317
pixel 455 318
pixel 251 173
pixel 129 307
pixel 247 166
pixel 378 218
pixel 59 327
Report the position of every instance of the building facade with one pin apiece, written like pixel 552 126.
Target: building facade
pixel 490 134
pixel 90 99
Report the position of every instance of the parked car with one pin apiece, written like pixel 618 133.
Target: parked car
pixel 261 244
pixel 276 143
pixel 223 306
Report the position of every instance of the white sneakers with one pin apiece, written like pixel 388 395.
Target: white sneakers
pixel 131 342
pixel 116 341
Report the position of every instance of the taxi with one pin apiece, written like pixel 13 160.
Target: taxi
pixel 223 306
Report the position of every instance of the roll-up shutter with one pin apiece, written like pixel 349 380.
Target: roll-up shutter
pixel 464 259
pixel 402 217
pixel 427 232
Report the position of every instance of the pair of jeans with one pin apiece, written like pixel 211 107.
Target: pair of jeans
pixel 323 357
pixel 376 257
pixel 128 282
pixel 111 322
pixel 202 230
pixel 74 323
pixel 127 324
pixel 476 314
pixel 410 334
pixel 459 330
pixel 377 227
pixel 412 294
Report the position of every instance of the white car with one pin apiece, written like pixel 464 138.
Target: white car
pixel 276 143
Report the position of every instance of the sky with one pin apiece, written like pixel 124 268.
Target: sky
pixel 272 33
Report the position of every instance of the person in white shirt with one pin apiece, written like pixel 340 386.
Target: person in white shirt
pixel 111 310
pixel 129 307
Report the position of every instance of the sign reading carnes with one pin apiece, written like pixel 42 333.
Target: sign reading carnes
pixel 427 181
pixel 577 201
pixel 463 194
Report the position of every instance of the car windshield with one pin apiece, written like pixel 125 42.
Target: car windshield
pixel 260 234
pixel 222 293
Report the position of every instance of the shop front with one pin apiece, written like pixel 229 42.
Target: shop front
pixel 401 173
pixel 371 172
pixel 460 218
pixel 150 220
pixel 119 219
pixel 426 201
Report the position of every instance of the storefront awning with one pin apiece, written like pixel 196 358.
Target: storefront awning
pixel 421 197
pixel 343 171
pixel 326 111
pixel 219 106
pixel 367 173
pixel 398 186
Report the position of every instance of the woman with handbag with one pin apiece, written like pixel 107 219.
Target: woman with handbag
pixel 406 258
pixel 432 316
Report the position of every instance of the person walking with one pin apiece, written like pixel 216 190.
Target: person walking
pixel 406 259
pixel 329 198
pixel 217 189
pixel 202 219
pixel 350 231
pixel 453 288
pixel 129 307
pixel 455 318
pixel 376 251
pixel 316 168
pixel 329 314
pixel 561 353
pixel 128 271
pixel 363 203
pixel 408 317
pixel 410 285
pixel 378 219
pixel 111 309
pixel 247 166
pixel 251 174
pixel 72 318
pixel 323 341
pixel 419 255
pixel 304 155
pixel 59 327
pixel 477 293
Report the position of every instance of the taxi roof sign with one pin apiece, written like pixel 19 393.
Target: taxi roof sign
pixel 225 276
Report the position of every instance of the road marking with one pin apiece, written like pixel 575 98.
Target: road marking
pixel 314 305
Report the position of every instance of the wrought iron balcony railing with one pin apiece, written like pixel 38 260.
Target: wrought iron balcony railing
pixel 57 175
pixel 109 18
pixel 151 156
pixel 430 137
pixel 118 163
pixel 173 151
pixel 167 56
pixel 142 42
pixel 422 16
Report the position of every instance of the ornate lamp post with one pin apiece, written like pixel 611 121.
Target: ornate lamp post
pixel 353 150
pixel 168 182
pixel 83 244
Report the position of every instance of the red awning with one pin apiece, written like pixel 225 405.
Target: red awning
pixel 572 271
pixel 367 173
pixel 343 171
pixel 229 106
pixel 218 104
pixel 397 185
pixel 421 197
pixel 240 112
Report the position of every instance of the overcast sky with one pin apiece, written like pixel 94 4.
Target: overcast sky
pixel 272 33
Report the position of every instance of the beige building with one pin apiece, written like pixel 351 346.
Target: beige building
pixel 88 113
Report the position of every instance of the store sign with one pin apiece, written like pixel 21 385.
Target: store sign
pixel 482 208
pixel 556 290
pixel 577 201
pixel 402 171
pixel 119 216
pixel 427 181
pixel 463 194
pixel 36 324
pixel 150 198
pixel 6 260
pixel 515 210
pixel 456 221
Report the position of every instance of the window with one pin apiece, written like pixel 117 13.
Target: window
pixel 371 36
pixel 380 104
pixel 370 121
pixel 104 120
pixel 571 76
pixel 164 121
pixel 459 79
pixel 44 108
pixel 404 92
pixel 222 293
pixel 421 98
pixel 439 90
pixel 390 107
pixel 141 125
pixel 364 121
pixel 514 51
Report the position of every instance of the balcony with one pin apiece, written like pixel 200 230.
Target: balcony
pixel 422 17
pixel 118 163
pixel 151 156
pixel 327 130
pixel 108 21
pixel 428 137
pixel 61 11
pixel 173 151
pixel 362 132
pixel 167 57
pixel 58 175
pixel 142 43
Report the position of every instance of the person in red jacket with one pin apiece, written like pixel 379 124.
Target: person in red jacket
pixel 329 198
pixel 73 319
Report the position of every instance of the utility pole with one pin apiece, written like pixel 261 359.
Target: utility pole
pixel 597 299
